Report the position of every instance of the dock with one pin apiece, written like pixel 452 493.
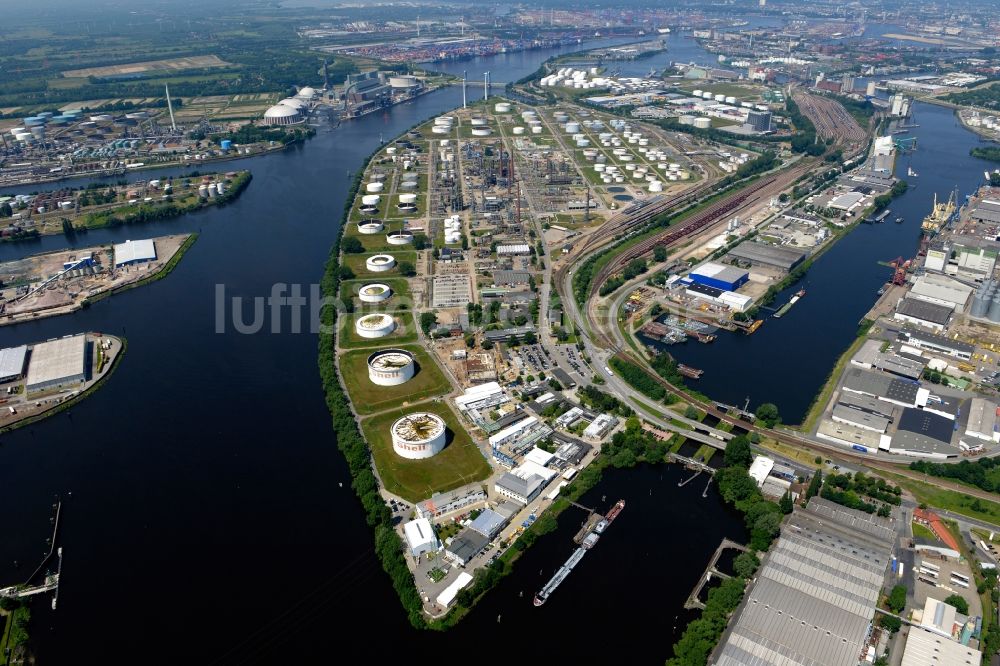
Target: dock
pixel 711 570
pixel 690 463
pixel 51 581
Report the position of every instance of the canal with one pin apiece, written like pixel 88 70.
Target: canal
pixel 787 360
pixel 208 516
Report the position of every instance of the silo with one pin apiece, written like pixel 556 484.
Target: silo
pixel 994 312
pixel 980 304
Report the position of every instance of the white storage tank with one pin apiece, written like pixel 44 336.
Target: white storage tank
pixel 502 107
pixel 419 435
pixel 375 292
pixel 408 198
pixel 730 99
pixel 572 127
pixel 380 263
pixel 375 187
pixel 655 186
pixel 376 325
pixel 536 129
pixel 478 121
pixel 518 130
pixel 370 227
pixel 481 131
pixel 399 238
pixel 702 123
pixel 370 199
pixel 391 367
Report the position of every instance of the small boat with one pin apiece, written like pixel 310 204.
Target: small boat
pixel 899 220
pixel 687 371
pixel 911 173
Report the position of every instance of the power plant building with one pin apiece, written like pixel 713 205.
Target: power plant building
pixel 58 363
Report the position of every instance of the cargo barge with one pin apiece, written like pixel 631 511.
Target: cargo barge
pixel 588 542
pixel 788 306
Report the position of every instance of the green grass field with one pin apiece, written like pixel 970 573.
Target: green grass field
pixel 348 338
pixel 400 294
pixel 369 398
pixel 949 500
pixel 460 463
pixel 923 532
pixel 356 262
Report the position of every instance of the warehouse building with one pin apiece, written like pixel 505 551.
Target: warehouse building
pixel 134 252
pixel 865 357
pixel 451 501
pixel 845 434
pixel 420 537
pixel 523 488
pixel 867 404
pixel 814 597
pixel 511 278
pixel 730 299
pixel 923 313
pixel 465 546
pixel 882 386
pixel 941 290
pixel 600 426
pixel 938 344
pixel 986 211
pixel 720 276
pixel 860 419
pixel 761 254
pixel 982 420
pixel 12 363
pixel 900 366
pixel 923 434
pixel 926 647
pixel 58 363
pixel 488 523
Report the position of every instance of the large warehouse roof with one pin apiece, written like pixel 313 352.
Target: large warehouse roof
pixel 56 360
pixel 923 432
pixel 816 592
pixel 881 385
pixel 138 250
pixel 925 311
pixel 720 272
pixel 770 255
pixel 12 361
pixel 931 287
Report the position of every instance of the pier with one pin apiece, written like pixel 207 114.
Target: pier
pixel 690 463
pixel 693 601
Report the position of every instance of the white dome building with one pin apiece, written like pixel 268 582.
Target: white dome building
pixel 391 367
pixel 295 103
pixel 418 435
pixel 379 263
pixel 375 292
pixel 282 114
pixel 376 325
pixel 306 93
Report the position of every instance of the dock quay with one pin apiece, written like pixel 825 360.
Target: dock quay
pixel 587 527
pixel 690 463
pixel 692 600
pixel 51 581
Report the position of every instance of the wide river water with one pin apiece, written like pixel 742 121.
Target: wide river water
pixel 208 516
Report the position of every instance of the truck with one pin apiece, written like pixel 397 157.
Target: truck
pixel 608 370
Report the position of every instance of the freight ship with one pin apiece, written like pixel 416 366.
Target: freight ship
pixel 589 542
pixel 938 216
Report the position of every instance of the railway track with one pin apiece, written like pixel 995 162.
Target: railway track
pixel 830 118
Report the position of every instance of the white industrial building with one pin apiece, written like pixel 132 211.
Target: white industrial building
pixel 283 114
pixel 941 290
pixel 448 594
pixel 925 647
pixel 12 363
pixel 600 426
pixel 982 420
pixel 134 252
pixel 760 469
pixel 524 483
pixel 58 363
pixel 420 537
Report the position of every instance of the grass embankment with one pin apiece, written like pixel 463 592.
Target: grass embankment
pixel 823 397
pixel 460 462
pixel 75 399
pixel 369 398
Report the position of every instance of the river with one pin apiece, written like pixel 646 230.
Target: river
pixel 208 516
pixel 787 360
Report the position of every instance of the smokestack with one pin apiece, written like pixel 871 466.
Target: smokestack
pixel 170 107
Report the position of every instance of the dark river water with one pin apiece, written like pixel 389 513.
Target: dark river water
pixel 787 360
pixel 208 516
